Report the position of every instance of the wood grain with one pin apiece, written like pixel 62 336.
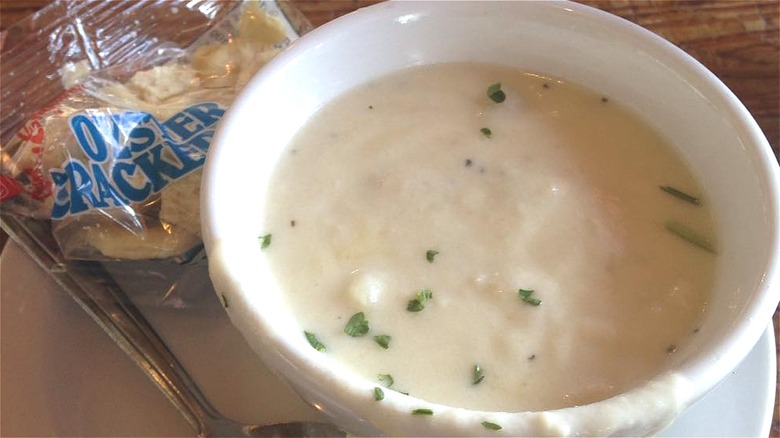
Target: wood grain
pixel 739 41
pixel 12 11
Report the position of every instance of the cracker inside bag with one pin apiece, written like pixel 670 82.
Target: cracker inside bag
pixel 116 161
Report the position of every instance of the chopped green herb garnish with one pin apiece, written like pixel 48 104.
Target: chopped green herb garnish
pixel 383 341
pixel 422 411
pixel 525 295
pixel 379 394
pixel 265 241
pixel 486 132
pixel 418 303
pixel 357 325
pixel 430 255
pixel 414 305
pixel 477 375
pixel 224 301
pixel 689 235
pixel 495 93
pixel 312 338
pixel 680 195
pixel 387 379
pixel 491 426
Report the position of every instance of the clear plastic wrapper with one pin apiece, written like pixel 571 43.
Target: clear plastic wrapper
pixel 108 111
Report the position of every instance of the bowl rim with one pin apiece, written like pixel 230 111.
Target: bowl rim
pixel 764 160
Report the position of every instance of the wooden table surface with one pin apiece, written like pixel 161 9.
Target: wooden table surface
pixel 737 40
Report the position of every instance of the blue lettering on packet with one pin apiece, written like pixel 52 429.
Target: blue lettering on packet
pixel 130 156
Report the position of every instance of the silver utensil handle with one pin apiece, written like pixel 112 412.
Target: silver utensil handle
pixel 105 302
pixel 94 290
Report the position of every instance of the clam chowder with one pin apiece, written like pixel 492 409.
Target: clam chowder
pixel 490 239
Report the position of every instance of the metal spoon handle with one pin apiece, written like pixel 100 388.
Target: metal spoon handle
pixel 95 291
pixel 107 304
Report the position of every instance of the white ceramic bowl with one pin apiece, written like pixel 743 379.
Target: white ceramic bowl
pixel 707 124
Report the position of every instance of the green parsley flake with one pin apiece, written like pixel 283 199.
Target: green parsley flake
pixel 486 132
pixel 495 93
pixel 265 241
pixel 357 325
pixel 491 426
pixel 418 303
pixel 422 411
pixel 679 194
pixel 387 379
pixel 383 340
pixel 477 375
pixel 431 254
pixel 525 295
pixel 313 341
pixel 690 235
pixel 379 394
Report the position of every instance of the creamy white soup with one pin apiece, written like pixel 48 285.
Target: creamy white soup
pixel 544 250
